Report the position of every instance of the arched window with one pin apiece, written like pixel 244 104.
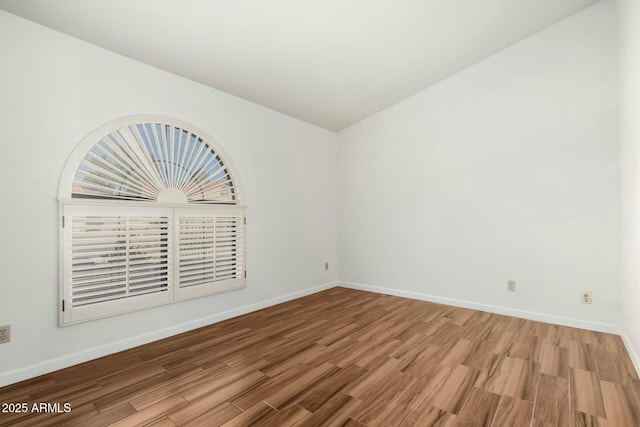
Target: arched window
pixel 151 214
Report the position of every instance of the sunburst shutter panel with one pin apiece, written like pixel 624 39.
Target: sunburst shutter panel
pixel 153 162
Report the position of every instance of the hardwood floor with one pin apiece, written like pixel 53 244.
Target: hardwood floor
pixel 350 358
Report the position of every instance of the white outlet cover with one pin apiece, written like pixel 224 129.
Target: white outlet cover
pixel 5 334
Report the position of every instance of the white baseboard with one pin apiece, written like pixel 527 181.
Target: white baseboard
pixel 524 314
pixel 22 374
pixel 633 354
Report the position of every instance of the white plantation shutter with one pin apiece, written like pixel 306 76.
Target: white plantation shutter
pixel 151 215
pixel 210 251
pixel 139 161
pixel 115 260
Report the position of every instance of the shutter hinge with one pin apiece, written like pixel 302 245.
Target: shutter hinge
pixel 245 274
pixel 62 305
pixel 63 221
pixel 245 220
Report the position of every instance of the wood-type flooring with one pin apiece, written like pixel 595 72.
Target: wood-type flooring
pixel 344 357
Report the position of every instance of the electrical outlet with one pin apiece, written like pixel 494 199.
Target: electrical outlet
pixel 5 334
pixel 586 297
pixel 326 265
pixel 511 285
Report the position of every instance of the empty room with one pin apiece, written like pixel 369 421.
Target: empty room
pixel 320 213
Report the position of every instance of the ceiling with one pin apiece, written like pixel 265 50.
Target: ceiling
pixel 328 62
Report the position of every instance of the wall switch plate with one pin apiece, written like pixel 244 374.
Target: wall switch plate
pixel 586 297
pixel 5 334
pixel 511 285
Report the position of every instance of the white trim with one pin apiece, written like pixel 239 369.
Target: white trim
pixel 635 357
pixel 62 362
pixel 524 314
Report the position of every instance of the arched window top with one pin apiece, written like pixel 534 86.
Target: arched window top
pixel 150 159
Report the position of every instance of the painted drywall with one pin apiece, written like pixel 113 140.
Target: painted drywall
pixel 54 90
pixel 507 170
pixel 629 14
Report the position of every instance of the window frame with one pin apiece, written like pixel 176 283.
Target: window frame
pixel 67 205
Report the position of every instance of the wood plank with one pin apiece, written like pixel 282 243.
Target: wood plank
pixel 560 336
pixel 580 419
pixel 153 412
pixel 457 354
pixel 335 412
pixel 612 368
pixel 480 409
pixel 453 394
pixel 291 416
pixel 419 393
pixel 514 377
pixel 216 416
pixel 585 392
pixel 167 389
pixel 255 415
pixel 384 413
pixel 582 356
pixel 299 386
pixel 319 395
pixel 110 416
pixel 621 404
pixel 371 384
pixel 435 417
pixel 423 363
pixel 481 355
pixel 554 361
pixel 527 347
pixel 204 402
pixel 269 387
pixel 552 401
pixel 163 422
pixel 236 377
pixel 352 423
pixel 513 412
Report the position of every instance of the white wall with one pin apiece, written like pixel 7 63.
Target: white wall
pixel 630 151
pixel 507 170
pixel 53 91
